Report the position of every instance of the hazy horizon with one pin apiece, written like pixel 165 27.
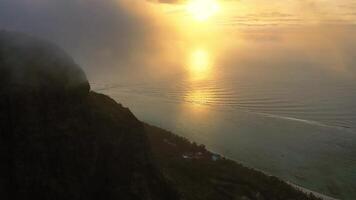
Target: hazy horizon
pixel 270 84
pixel 158 39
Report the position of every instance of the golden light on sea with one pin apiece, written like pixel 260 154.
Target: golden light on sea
pixel 199 97
pixel 199 61
pixel 198 100
pixel 199 64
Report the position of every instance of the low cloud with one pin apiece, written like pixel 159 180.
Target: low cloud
pixel 101 35
pixel 125 35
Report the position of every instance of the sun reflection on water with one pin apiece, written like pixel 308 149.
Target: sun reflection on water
pixel 200 69
pixel 200 61
pixel 197 102
pixel 200 64
pixel 199 97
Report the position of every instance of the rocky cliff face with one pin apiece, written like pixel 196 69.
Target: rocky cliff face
pixel 58 140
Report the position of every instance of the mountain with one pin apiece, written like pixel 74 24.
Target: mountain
pixel 59 140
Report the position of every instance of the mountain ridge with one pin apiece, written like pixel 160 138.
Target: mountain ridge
pixel 60 140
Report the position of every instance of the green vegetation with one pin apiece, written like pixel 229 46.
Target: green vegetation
pixel 195 175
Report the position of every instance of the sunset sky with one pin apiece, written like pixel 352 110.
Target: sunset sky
pixel 169 36
pixel 269 83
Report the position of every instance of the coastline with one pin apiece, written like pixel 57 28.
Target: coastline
pixel 295 186
pixel 306 190
pixel 188 166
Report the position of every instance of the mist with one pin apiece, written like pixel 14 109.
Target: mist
pixel 102 36
pixel 267 83
pixel 121 39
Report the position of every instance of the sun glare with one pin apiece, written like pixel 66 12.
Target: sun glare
pixel 202 10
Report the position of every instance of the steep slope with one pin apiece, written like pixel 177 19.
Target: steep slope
pixel 58 140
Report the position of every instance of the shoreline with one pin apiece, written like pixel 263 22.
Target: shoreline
pixel 295 186
pixel 306 190
pixel 299 188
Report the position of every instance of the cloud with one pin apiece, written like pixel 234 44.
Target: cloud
pixel 258 13
pixel 169 1
pixel 125 35
pixel 101 35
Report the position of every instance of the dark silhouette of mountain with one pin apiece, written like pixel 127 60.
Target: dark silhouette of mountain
pixel 59 140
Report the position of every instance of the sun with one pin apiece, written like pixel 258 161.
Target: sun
pixel 202 10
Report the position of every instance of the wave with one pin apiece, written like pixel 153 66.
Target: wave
pixel 306 121
pixel 276 104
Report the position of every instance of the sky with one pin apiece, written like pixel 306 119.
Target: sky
pixel 159 37
pixel 256 42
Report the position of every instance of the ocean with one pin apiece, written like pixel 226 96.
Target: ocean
pixel 284 108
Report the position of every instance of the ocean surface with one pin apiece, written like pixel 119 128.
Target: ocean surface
pixel 286 107
pixel 301 131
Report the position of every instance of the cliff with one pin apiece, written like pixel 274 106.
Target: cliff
pixel 59 140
